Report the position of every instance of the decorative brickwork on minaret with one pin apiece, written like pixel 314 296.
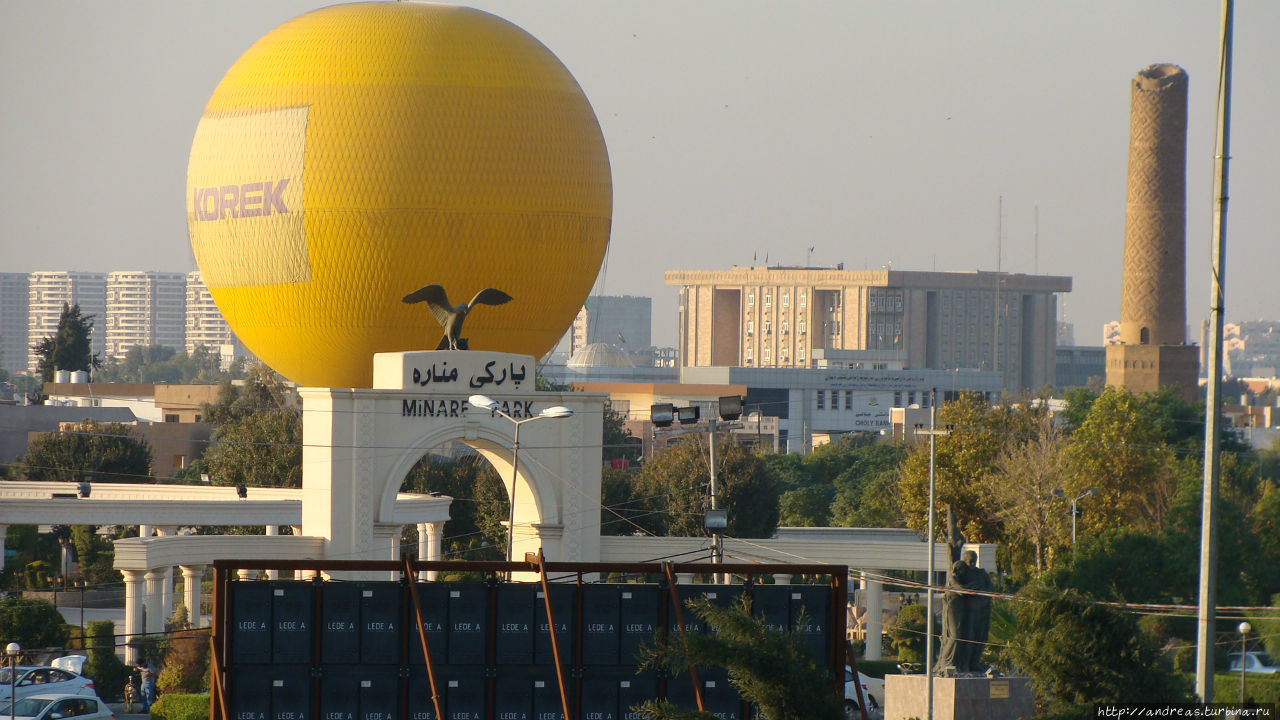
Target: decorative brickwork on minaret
pixel 1153 350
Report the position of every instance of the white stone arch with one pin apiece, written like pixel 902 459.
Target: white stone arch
pixel 358 445
pixel 533 480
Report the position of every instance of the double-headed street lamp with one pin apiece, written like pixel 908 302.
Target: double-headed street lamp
pixel 485 402
pixel 1057 492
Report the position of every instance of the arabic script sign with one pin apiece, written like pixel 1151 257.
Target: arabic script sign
pixel 454 372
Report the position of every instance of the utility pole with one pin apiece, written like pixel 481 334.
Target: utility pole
pixel 1207 606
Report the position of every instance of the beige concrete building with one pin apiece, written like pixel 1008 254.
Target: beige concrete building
pixel 145 307
pixel 776 317
pixel 46 293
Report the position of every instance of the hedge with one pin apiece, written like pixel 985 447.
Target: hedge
pixel 181 707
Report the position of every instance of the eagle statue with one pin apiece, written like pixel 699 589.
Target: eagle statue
pixel 451 317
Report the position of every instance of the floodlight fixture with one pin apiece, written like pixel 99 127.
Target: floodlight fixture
pixel 687 415
pixel 717 519
pixel 662 414
pixel 730 407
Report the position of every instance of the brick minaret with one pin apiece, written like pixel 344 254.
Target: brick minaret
pixel 1153 350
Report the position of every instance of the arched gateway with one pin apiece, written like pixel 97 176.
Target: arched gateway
pixel 358 445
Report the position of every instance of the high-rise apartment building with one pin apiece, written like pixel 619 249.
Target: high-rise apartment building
pixel 623 320
pixel 205 325
pixel 144 308
pixel 777 317
pixel 13 321
pixel 47 292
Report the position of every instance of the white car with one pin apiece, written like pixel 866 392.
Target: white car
pixel 27 680
pixel 1254 662
pixel 872 690
pixel 57 706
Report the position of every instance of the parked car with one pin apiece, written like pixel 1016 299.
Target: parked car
pixel 872 690
pixel 30 680
pixel 55 706
pixel 1254 662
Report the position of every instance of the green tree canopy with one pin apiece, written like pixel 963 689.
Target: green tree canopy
pixel 257 436
pixel 33 624
pixel 675 488
pixel 1080 653
pixel 475 530
pixel 68 348
pixel 162 364
pixel 109 451
pixel 964 460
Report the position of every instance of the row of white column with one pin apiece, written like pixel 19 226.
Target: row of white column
pixel 149 596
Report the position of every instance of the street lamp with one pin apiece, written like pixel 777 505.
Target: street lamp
pixel 12 650
pixel 1057 492
pixel 485 402
pixel 1244 629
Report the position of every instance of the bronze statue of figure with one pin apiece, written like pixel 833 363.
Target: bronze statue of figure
pixel 451 317
pixel 966 618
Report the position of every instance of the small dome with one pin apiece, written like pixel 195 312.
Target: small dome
pixel 601 355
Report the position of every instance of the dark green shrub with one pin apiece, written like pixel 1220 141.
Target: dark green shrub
pixel 181 707
pixel 908 633
pixel 1258 688
pixel 33 624
pixel 107 671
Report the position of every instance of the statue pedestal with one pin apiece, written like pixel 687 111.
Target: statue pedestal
pixel 976 698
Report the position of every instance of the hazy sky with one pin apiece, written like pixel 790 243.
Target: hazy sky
pixel 873 132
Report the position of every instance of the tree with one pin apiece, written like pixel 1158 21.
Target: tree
pixel 475 530
pixel 1121 448
pixel 620 508
pixel 807 506
pixel 907 634
pixel 770 668
pixel 257 436
pixel 1080 653
pixel 103 665
pixel 186 657
pixel 867 488
pixel 110 451
pixel 619 443
pixel 33 624
pixel 675 486
pixel 963 460
pixel 1027 471
pixel 68 348
pixel 161 364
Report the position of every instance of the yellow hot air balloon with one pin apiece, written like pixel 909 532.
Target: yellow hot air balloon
pixel 359 152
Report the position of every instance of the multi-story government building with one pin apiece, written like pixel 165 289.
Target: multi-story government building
pixel 776 317
pixel 46 294
pixel 13 321
pixel 145 308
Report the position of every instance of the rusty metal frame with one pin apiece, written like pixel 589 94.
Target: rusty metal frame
pixel 684 640
pixel 422 636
